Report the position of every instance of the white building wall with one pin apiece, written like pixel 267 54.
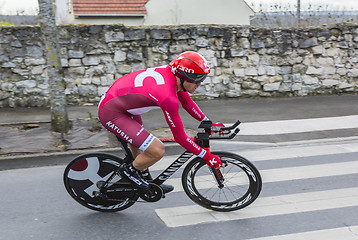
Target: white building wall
pixel 168 12
pixel 64 12
pixel 181 12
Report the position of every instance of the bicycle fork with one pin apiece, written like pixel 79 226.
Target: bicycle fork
pixel 218 176
pixel 203 140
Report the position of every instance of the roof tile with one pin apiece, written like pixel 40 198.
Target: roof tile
pixel 109 7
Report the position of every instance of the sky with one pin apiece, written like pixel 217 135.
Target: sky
pixel 28 7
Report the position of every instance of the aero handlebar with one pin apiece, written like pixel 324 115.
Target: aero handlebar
pixel 231 127
pixel 223 131
pixel 227 130
pixel 237 130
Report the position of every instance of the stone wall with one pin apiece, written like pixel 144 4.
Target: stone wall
pixel 245 61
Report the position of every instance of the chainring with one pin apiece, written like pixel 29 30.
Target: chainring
pixel 157 193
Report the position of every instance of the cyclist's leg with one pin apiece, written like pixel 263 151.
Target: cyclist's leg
pixel 145 159
pixel 145 172
pixel 135 151
pixel 147 149
pixel 150 156
pixel 153 153
pixel 125 127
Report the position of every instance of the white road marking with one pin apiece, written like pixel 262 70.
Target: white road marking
pixel 291 173
pixel 263 207
pixel 298 125
pixel 346 233
pixel 278 205
pixel 280 152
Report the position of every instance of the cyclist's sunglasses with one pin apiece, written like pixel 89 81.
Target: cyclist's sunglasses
pixel 193 77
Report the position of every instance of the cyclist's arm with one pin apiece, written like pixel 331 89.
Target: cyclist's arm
pixel 171 112
pixel 190 106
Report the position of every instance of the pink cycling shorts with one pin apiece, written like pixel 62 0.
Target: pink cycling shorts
pixel 129 127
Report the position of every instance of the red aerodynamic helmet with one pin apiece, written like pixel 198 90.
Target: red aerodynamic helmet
pixel 190 66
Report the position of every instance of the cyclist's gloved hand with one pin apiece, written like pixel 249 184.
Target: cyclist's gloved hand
pixel 213 160
pixel 217 125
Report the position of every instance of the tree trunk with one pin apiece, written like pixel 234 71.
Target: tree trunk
pixel 59 117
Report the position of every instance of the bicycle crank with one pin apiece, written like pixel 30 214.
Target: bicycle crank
pixel 157 193
pixel 127 191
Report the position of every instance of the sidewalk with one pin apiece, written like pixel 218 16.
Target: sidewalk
pixel 27 131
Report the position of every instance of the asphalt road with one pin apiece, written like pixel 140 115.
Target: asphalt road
pixel 309 188
pixel 309 183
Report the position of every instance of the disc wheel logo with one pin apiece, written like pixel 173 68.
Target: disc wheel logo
pixel 92 179
pixel 80 165
pixel 86 173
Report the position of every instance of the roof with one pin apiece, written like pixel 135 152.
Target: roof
pixel 109 7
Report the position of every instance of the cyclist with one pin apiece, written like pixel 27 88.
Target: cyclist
pixel 162 87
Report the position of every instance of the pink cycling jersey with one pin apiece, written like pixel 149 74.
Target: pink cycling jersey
pixel 139 92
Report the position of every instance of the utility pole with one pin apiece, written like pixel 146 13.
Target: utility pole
pixel 298 15
pixel 59 116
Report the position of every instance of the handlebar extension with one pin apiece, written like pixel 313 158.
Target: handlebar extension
pixel 237 130
pixel 231 127
pixel 227 130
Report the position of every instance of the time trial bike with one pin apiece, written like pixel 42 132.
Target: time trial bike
pixel 94 179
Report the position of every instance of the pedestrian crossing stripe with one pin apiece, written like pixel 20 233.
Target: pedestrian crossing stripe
pixel 283 152
pixel 298 125
pixel 262 207
pixel 290 173
pixel 283 204
pixel 280 152
pixel 346 233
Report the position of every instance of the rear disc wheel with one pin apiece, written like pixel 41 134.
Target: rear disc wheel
pixel 86 174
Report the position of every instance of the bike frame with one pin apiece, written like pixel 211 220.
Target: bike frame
pixel 202 139
pixel 167 173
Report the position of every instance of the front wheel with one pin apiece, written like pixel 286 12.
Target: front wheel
pixel 242 183
pixel 85 176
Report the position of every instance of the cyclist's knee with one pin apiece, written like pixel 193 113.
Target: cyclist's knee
pixel 156 149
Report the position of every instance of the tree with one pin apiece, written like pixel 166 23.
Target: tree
pixel 59 116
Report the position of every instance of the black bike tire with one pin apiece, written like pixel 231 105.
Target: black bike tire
pixel 68 187
pixel 253 175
